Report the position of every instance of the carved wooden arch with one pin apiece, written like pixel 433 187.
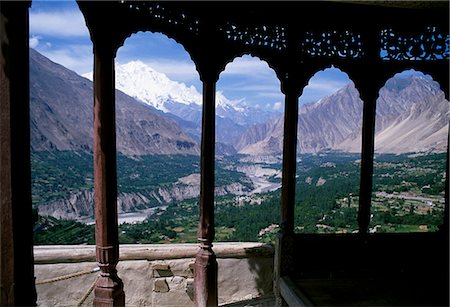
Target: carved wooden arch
pixel 225 46
pixel 344 68
pixel 422 46
pixel 121 24
pixel 353 69
pixel 169 35
pixel 434 70
pixel 276 40
pixel 255 54
pixel 294 62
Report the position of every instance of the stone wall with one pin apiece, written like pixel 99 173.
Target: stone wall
pixel 154 275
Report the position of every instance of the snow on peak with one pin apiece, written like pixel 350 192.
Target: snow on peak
pixel 142 82
pixel 154 88
pixel 224 102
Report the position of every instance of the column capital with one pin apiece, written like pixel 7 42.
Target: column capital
pixel 208 67
pixel 293 84
pixel 104 49
pixel 208 73
pixel 368 80
pixel 368 92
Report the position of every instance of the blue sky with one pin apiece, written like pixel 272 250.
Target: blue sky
pixel 58 30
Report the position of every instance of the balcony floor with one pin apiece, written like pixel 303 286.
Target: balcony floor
pixel 266 301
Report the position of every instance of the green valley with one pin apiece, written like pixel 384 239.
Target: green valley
pixel 408 195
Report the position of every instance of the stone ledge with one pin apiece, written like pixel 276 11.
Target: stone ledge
pixel 173 285
pixel 47 254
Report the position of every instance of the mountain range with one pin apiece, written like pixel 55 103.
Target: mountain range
pixel 412 115
pixel 156 115
pixel 183 104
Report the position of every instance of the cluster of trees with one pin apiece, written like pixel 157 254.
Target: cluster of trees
pixel 55 174
pixel 249 219
pixel 390 221
pixel 145 172
pixel 147 231
pixel 391 172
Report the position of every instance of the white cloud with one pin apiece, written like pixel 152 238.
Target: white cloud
pixel 255 87
pixel 249 86
pixel 325 85
pixel 68 23
pixel 176 70
pixel 34 41
pixel 277 106
pixel 78 58
pixel 267 94
pixel 249 66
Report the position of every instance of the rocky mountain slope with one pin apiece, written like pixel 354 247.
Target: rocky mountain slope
pixel 62 116
pixel 412 116
pixel 80 204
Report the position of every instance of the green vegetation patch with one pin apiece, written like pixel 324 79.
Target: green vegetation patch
pixel 327 200
pixel 56 174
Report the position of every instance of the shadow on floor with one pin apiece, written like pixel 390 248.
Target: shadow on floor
pixel 266 301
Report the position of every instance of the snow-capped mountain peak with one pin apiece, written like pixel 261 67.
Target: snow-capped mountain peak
pixel 154 88
pixel 141 81
pixel 224 102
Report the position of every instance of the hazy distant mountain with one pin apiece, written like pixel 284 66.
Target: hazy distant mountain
pixel 322 125
pixel 412 115
pixel 184 104
pixel 263 138
pixel 62 116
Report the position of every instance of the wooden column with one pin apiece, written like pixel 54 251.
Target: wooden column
pixel 369 96
pixel 17 286
pixel 368 88
pixel 109 287
pixel 284 245
pixel 292 92
pixel 205 269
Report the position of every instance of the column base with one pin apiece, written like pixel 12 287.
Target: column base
pixel 205 278
pixel 109 292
